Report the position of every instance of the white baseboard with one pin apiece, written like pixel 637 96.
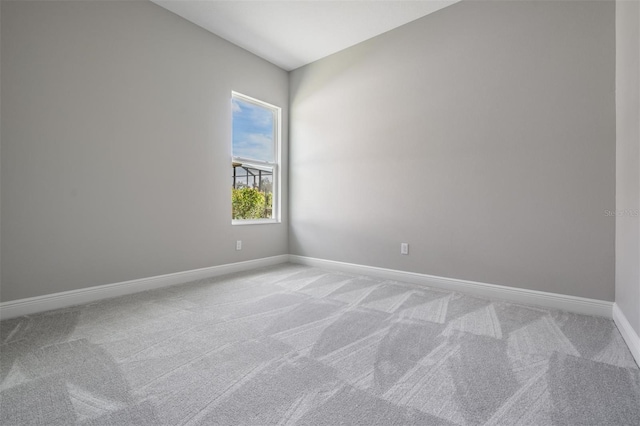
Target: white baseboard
pixel 32 305
pixel 563 302
pixel 628 333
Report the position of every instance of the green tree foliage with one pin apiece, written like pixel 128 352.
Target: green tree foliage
pixel 268 196
pixel 249 203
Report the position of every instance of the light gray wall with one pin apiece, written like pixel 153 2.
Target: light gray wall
pixel 116 145
pixel 628 160
pixel 483 135
pixel 0 152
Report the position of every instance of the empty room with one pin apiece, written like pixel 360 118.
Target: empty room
pixel 319 212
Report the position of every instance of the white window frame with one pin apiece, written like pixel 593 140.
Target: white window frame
pixel 275 165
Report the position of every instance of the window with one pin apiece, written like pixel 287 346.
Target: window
pixel 255 161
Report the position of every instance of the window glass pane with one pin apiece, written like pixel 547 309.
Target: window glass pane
pixel 253 127
pixel 252 192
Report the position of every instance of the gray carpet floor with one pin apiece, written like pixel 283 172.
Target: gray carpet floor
pixel 297 345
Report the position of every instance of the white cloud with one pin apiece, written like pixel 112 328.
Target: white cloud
pixel 256 146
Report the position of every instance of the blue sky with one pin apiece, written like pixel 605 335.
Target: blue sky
pixel 252 131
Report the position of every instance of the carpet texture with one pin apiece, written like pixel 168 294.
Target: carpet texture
pixel 297 345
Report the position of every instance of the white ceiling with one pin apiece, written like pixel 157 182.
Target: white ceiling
pixel 291 33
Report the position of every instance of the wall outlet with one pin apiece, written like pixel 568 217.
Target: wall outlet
pixel 239 245
pixel 404 248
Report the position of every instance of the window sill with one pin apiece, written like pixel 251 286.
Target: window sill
pixel 254 222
